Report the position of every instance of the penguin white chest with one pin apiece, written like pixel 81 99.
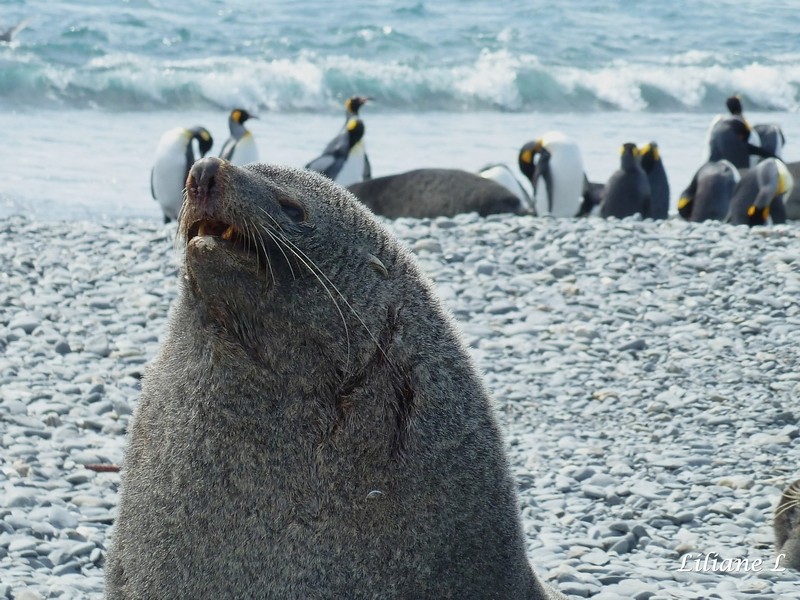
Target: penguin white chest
pixel 352 170
pixel 565 166
pixel 170 169
pixel 245 151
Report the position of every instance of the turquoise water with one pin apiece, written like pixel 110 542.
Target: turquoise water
pixel 88 87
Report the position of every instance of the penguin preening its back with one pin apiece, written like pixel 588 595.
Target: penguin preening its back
pixel 557 176
pixel 759 195
pixel 345 157
pixel 174 157
pixel 628 190
pixel 708 196
pixel 240 148
pixel 657 177
pixel 501 174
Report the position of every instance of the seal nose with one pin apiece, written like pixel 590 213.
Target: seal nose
pixel 202 178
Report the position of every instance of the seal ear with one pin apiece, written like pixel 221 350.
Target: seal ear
pixel 377 265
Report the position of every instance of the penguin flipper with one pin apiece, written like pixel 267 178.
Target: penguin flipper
pixel 339 146
pixel 227 150
pixel 367 168
pixel 332 159
pixel 327 164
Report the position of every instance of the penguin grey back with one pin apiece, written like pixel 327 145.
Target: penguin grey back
pixel 728 141
pixel 771 137
pixel 425 193
pixel 628 190
pixel 657 178
pixel 708 196
pixel 758 197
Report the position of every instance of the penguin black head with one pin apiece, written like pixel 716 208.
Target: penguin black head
pixel 734 104
pixel 650 155
pixel 527 156
pixel 240 115
pixel 355 131
pixel 204 139
pixel 630 156
pixel 353 103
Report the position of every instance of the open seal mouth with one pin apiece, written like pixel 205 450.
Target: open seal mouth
pixel 214 228
pixel 231 238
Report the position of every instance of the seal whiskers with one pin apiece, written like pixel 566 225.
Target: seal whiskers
pixel 311 265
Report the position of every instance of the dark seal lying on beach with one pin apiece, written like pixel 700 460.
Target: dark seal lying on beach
pixel 313 427
pixel 427 193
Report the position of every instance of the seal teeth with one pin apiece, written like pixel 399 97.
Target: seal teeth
pixel 201 231
pixel 228 233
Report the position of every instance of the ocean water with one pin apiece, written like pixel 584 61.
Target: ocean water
pixel 88 87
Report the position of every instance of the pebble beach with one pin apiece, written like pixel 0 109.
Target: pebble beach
pixel 644 374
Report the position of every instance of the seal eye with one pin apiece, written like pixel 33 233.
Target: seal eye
pixel 294 210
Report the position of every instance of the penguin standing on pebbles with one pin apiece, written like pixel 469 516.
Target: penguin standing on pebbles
pixel 345 158
pixel 657 177
pixel 175 155
pixel 708 197
pixel 731 137
pixel 758 198
pixel 240 149
pixel 554 166
pixel 628 190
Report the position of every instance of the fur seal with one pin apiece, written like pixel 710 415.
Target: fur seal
pixel 786 526
pixel 708 196
pixel 628 190
pixel 312 427
pixel 758 197
pixel 425 193
pixel 657 177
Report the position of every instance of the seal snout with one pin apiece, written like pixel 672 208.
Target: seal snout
pixel 203 180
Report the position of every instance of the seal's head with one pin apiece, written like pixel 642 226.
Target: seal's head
pixel 274 255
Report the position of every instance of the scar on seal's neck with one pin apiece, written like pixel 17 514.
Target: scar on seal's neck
pixel 399 378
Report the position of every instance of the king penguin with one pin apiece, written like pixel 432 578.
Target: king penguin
pixel 352 106
pixel 628 190
pixel 771 138
pixel 500 173
pixel 759 196
pixel 240 148
pixel 657 177
pixel 174 157
pixel 345 157
pixel 557 176
pixel 731 138
pixel 708 197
